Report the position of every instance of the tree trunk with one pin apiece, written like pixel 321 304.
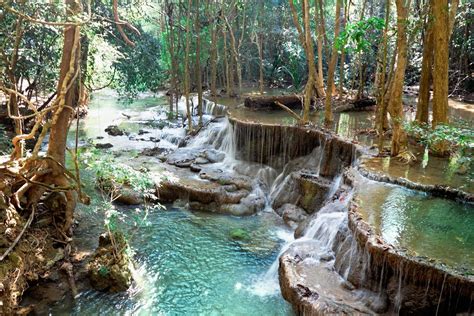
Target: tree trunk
pixel 441 34
pixel 13 100
pixel 260 57
pixel 343 51
pixel 186 67
pixel 395 106
pixel 214 60
pixel 68 97
pixel 198 63
pixel 381 104
pixel 307 43
pixel 422 107
pixel 259 40
pixel 319 23
pixel 360 91
pixel 310 60
pixel 174 65
pixel 332 66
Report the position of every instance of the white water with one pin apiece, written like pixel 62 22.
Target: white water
pixel 323 230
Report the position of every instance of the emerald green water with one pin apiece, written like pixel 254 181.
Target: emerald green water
pixel 188 264
pixel 435 228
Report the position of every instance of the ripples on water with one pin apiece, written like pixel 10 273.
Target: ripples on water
pixel 187 264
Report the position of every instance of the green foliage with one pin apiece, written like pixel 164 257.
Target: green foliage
pixel 360 36
pixel 110 172
pixel 140 68
pixel 460 139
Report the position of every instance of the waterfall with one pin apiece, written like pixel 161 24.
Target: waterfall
pixel 322 230
pixel 226 142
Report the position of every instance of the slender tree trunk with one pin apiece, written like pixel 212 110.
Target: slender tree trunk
pixel 235 49
pixel 186 67
pixel 174 95
pixel 226 62
pixel 13 100
pixel 214 60
pixel 343 51
pixel 235 57
pixel 198 62
pixel 310 58
pixel 395 106
pixel 381 104
pixel 422 107
pixel 259 40
pixel 332 67
pixel 441 34
pixel 260 57
pixel 307 43
pixel 319 23
pixel 360 91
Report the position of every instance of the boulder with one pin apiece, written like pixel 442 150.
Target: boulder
pixel 303 189
pixel 104 146
pixel 292 214
pixel 128 196
pixel 114 130
pixel 109 268
pixel 213 155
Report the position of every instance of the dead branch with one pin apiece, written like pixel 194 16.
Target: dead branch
pixel 290 111
pixel 17 239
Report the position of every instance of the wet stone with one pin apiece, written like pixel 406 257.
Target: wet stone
pixel 156 151
pixel 104 146
pixel 201 161
pixel 114 130
pixel 214 155
pixel 292 214
pixel 195 168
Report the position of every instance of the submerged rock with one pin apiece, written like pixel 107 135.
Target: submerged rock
pixel 239 234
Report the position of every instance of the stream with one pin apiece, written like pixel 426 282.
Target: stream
pixel 191 263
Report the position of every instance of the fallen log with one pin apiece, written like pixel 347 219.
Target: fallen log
pixel 366 104
pixel 268 102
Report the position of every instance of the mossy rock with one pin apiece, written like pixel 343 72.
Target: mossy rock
pixel 239 234
pixel 109 270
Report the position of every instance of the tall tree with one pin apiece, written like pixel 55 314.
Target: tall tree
pixel 395 106
pixel 332 66
pixel 197 26
pixel 422 108
pixel 441 32
pixel 314 82
pixel 381 102
pixel 186 67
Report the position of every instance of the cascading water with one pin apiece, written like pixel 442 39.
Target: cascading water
pixel 321 230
